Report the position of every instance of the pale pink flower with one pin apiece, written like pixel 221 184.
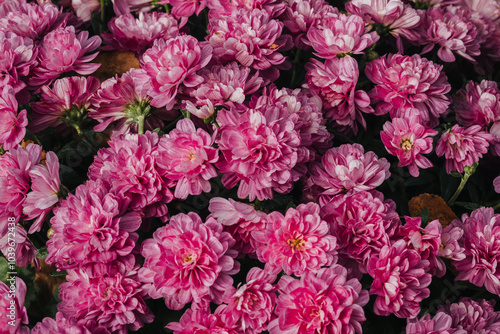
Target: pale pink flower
pixel 188 260
pixel 23 249
pixel 84 8
pixel 296 243
pixel 478 104
pixel 400 280
pixel 250 305
pixel 335 82
pixel 219 9
pixel 91 226
pixel 496 184
pixel 13 294
pixel 61 51
pixel 65 105
pixel 340 35
pixel 495 133
pixel 450 242
pixel 440 324
pixel 462 146
pixel 128 33
pixel 172 63
pixel 200 320
pixel 408 85
pixel 481 241
pixel 185 8
pixel 348 168
pixel 322 302
pixel 408 139
pixel 470 316
pixel 12 123
pixel 61 325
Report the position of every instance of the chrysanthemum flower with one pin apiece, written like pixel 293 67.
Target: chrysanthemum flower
pixel 450 242
pixel 91 226
pixel 339 35
pixel 407 139
pixel 128 33
pixel 325 302
pixel 481 241
pixel 12 123
pixel 348 168
pixel 496 184
pixel 219 9
pixel 84 8
pixel 172 63
pixel 20 316
pixel 188 260
pixel 200 320
pixel 440 323
pixel 463 146
pixel 61 325
pixel 400 280
pixel 478 104
pixel 185 8
pixel 408 85
pixel 61 51
pixel 23 248
pixel 470 316
pixel 335 82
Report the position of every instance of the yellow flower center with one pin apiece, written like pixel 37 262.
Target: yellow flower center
pixel 406 145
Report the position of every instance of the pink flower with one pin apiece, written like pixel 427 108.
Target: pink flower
pixel 407 139
pixel 13 295
pixel 186 155
pixel 478 104
pixel 481 241
pixel 250 305
pixel 450 242
pixel 112 299
pixel 61 51
pixel 12 124
pixel 462 146
pixel 495 143
pixel 198 321
pixel 470 316
pixel 400 280
pixel 325 302
pixel 259 150
pixel 296 243
pixel 138 34
pixel 44 194
pixel 172 63
pixel 65 105
pixel 219 9
pixel 240 220
pixel 348 168
pixel 406 86
pixel 440 324
pixel 61 325
pixel 188 261
pixel 339 35
pixel 84 8
pixel 91 226
pixel 16 242
pixel 496 184
pixel 185 8
pixel 335 82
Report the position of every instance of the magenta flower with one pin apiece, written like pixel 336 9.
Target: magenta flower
pixel 335 82
pixel 240 220
pixel 23 249
pixel 12 124
pixel 91 226
pixel 65 105
pixel 406 86
pixel 440 324
pixel 61 51
pixel 470 316
pixel 61 325
pixel 250 305
pixel 339 35
pixel 296 243
pixel 19 315
pixel 128 33
pixel 112 299
pixel 325 302
pixel 407 139
pixel 462 146
pixel 450 242
pixel 200 320
pixel 219 9
pixel 400 280
pixel 84 8
pixel 348 168
pixel 478 104
pixel 496 184
pixel 495 143
pixel 481 241
pixel 172 63
pixel 188 261
pixel 185 8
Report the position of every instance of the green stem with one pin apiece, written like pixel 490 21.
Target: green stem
pixel 140 122
pixel 496 207
pixel 103 14
pixel 78 129
pixel 461 186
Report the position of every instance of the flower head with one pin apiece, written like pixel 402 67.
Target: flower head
pixel 23 248
pixel 10 322
pixel 440 324
pixel 470 316
pixel 199 320
pixel 12 123
pixel 61 325
pixel 478 104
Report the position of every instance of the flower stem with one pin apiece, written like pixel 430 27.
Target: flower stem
pixel 140 122
pixel 103 14
pixel 468 171
pixel 496 207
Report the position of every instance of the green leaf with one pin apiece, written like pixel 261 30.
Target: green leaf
pixel 59 273
pixel 456 174
pixel 42 253
pixel 469 205
pixel 424 215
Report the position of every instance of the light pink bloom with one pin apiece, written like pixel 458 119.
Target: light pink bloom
pixel 91 226
pixel 84 8
pixel 348 168
pixel 250 305
pixel 128 33
pixel 400 280
pixel 240 220
pixel 335 82
pixel 408 139
pixel 478 104
pixel 65 105
pixel 23 249
pixel 200 320
pixel 495 143
pixel 340 35
pixel 496 184
pixel 12 124
pixel 450 242
pixel 172 63
pixel 188 260
pixel 325 302
pixel 406 86
pixel 440 324
pixel 15 292
pixel 481 241
pixel 470 316
pixel 122 7
pixel 219 9
pixel 186 155
pixel 185 8
pixel 61 325
pixel 462 146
